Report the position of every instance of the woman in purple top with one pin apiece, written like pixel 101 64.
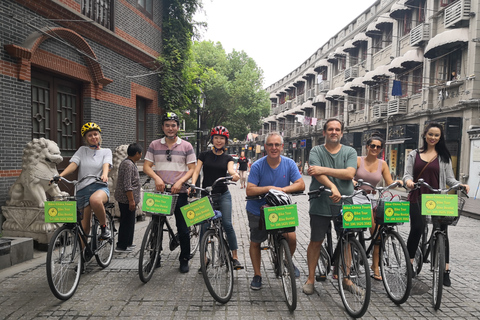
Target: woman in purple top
pixel 371 169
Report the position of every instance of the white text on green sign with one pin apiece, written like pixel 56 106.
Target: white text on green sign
pixel 157 203
pixel 440 205
pixel 197 211
pixel 60 211
pixel 357 215
pixel 397 212
pixel 281 217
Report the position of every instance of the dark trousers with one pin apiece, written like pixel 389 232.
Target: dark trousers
pixel 127 226
pixel 182 229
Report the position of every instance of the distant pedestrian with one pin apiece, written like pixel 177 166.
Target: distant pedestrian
pixel 242 169
pixel 127 193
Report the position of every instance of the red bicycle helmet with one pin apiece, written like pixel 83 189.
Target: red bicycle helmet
pixel 220 131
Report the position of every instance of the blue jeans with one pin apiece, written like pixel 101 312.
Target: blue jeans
pixel 225 203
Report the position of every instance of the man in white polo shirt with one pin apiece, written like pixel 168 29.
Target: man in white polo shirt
pixel 174 160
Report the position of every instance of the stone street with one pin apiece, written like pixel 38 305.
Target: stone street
pixel 117 292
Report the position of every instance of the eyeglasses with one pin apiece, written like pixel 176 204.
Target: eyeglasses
pixel 276 145
pixel 169 156
pixel 375 146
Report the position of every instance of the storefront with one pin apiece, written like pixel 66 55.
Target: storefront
pixel 354 140
pixel 400 141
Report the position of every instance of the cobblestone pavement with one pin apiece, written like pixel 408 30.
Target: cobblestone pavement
pixel 117 292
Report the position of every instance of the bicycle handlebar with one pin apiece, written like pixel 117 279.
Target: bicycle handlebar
pixel 395 184
pixel 316 193
pixel 261 196
pixel 209 190
pixel 456 187
pixel 75 182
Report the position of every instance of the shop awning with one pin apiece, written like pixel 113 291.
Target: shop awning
pixel 398 9
pixel 321 63
pixel 383 20
pixel 348 46
pixel 412 58
pixel 273 96
pixel 339 52
pixel 397 141
pixel 372 30
pixel 359 39
pixel 298 80
pixel 335 93
pixel 269 119
pixel 309 72
pixel 357 83
pixel 307 105
pixel 381 72
pixel 331 57
pixel 396 65
pixel 445 42
pixel 319 99
pixel 347 88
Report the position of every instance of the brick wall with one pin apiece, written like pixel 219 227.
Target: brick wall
pixel 111 105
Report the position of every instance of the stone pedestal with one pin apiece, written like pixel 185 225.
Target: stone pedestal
pixel 27 222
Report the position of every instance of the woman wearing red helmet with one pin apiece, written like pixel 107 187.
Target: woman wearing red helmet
pixel 216 163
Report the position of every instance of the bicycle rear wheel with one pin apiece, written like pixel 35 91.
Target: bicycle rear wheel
pixel 353 276
pixel 323 265
pixel 287 274
pixel 395 267
pixel 216 266
pixel 150 249
pixel 64 262
pixel 194 239
pixel 438 263
pixel 104 252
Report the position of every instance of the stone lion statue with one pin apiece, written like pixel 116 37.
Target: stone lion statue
pixel 39 165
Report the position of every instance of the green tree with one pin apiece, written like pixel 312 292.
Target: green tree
pixel 232 84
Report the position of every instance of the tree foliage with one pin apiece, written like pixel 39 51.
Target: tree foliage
pixel 232 84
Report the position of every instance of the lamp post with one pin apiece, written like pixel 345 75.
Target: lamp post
pixel 200 105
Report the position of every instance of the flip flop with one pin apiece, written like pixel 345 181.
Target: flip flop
pixel 376 277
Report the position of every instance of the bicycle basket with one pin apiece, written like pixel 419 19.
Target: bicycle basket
pixel 448 220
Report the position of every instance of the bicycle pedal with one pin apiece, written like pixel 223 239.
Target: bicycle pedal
pixel 321 277
pixel 264 248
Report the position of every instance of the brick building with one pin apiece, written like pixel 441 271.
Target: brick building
pixel 66 62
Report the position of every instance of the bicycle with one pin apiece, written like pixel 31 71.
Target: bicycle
pixel 216 260
pixel 281 257
pixel 70 248
pixel 350 261
pixel 437 242
pixel 394 260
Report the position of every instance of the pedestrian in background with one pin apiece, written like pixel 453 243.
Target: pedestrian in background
pixel 127 193
pixel 242 169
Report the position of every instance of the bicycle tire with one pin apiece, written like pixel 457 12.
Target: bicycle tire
pixel 216 265
pixel 194 239
pixel 150 249
pixel 323 265
pixel 287 274
pixel 104 251
pixel 64 262
pixel 353 266
pixel 438 264
pixel 395 267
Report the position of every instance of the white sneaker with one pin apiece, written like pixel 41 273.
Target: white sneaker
pixel 127 250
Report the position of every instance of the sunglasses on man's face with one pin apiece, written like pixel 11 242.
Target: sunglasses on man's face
pixel 169 155
pixel 375 146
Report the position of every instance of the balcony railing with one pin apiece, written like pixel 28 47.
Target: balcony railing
pixel 100 11
pixel 457 12
pixel 419 34
pixel 323 86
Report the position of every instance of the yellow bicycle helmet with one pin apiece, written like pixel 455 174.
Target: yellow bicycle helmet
pixel 89 126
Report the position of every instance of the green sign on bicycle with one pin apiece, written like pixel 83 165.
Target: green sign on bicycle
pixel 60 211
pixel 398 211
pixel 281 217
pixel 197 211
pixel 440 205
pixel 157 203
pixel 357 215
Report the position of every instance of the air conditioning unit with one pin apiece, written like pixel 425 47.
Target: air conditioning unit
pixel 420 34
pixel 379 111
pixel 351 107
pixel 351 73
pixel 456 13
pixel 397 106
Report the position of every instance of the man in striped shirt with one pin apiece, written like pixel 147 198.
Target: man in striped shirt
pixel 174 160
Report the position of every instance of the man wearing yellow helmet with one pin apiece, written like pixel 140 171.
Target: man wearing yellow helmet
pixel 91 193
pixel 174 161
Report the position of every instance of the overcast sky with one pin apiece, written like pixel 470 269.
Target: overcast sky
pixel 278 34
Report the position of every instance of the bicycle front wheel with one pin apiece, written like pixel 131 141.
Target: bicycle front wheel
pixel 194 239
pixel 353 276
pixel 287 274
pixel 395 267
pixel 64 262
pixel 216 266
pixel 323 265
pixel 104 252
pixel 150 249
pixel 438 263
